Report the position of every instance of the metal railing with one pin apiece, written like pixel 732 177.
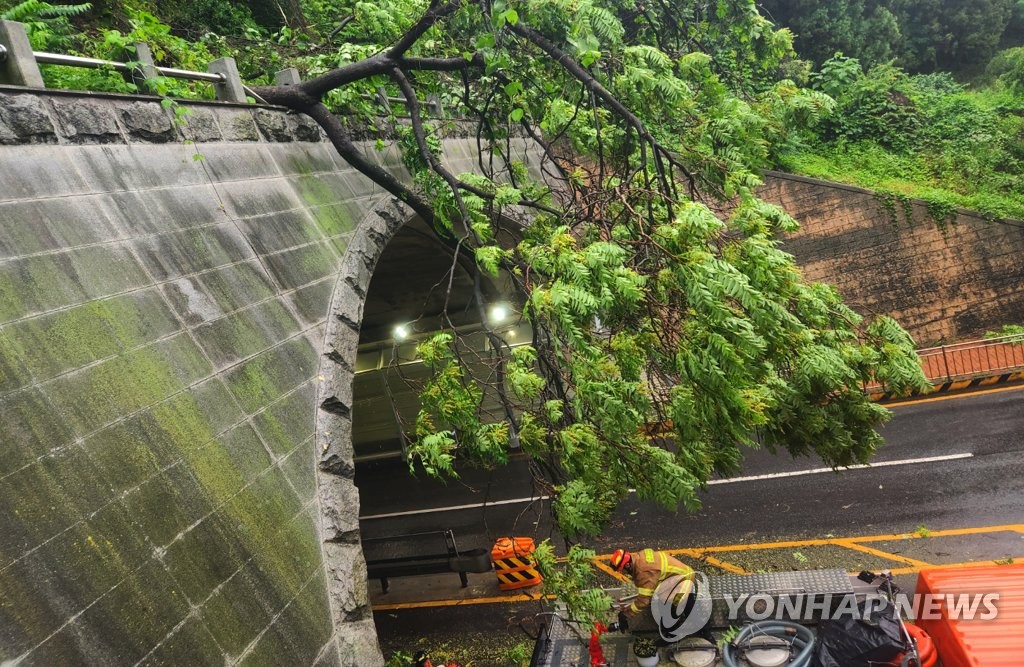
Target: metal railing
pixel 45 58
pixel 21 68
pixel 946 363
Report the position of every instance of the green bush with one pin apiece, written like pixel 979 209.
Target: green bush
pixel 875 106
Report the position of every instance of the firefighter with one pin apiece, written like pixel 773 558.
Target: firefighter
pixel 648 568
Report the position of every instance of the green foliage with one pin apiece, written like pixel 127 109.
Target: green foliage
pixel 399 659
pixel 646 308
pixel 866 29
pixel 574 581
pixel 922 136
pixel 48 26
pixel 922 35
pixel 644 647
pixel 837 74
pixel 1014 333
pixel 873 106
pixel 1007 67
pixel 730 634
pixel 519 655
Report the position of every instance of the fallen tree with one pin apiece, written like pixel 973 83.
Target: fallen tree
pixel 649 271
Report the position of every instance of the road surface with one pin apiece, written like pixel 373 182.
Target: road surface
pixel 950 462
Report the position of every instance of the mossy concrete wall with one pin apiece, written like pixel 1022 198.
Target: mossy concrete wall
pixel 175 461
pixel 942 282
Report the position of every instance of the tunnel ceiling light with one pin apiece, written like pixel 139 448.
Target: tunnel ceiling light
pixel 499 313
pixel 400 332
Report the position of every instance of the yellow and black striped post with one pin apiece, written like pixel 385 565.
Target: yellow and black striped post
pixel 513 563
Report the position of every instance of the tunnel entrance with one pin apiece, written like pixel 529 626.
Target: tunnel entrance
pixel 417 289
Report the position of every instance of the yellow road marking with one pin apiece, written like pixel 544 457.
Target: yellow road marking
pixel 883 554
pixel 454 603
pixel 769 545
pixel 728 567
pixel 950 397
pixel 789 544
pixel 1012 527
pixel 702 553
pixel 949 566
pixel 599 564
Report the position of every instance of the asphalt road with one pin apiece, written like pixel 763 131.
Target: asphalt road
pixel 982 486
pixel 985 486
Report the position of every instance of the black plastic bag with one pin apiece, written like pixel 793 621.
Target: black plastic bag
pixel 859 641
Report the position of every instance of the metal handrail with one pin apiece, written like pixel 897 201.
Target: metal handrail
pixel 97 63
pixel 3 53
pixel 973 358
pixel 1010 339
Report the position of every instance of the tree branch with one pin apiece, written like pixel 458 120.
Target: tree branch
pixel 426 22
pixel 336 133
pixel 569 64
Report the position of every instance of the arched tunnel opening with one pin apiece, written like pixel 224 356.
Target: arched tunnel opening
pixel 406 515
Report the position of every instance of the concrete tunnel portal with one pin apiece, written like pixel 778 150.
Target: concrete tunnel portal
pixel 417 288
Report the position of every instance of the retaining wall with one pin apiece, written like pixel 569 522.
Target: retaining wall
pixel 941 283
pixel 170 491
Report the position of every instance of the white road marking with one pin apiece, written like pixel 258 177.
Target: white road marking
pixel 818 471
pixel 453 508
pixel 731 480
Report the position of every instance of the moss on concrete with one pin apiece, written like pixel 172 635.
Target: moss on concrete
pixel 44 498
pixel 30 427
pixel 246 332
pixel 313 302
pixel 227 289
pixel 301 266
pixel 290 554
pixel 64 340
pixel 166 505
pixel 320 189
pixel 13 372
pixel 213 468
pixel 300 469
pixel 338 218
pixel 288 422
pixel 142 469
pixel 102 393
pixel 191 644
pixel 206 556
pixel 240 609
pixel 134 617
pixel 262 380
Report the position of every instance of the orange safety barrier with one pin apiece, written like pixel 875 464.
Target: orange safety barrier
pixel 971 639
pixel 513 563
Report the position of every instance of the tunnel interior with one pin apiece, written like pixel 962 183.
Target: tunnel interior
pixel 416 290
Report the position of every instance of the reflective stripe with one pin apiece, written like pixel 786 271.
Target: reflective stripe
pixel 633 608
pixel 645 591
pixel 649 555
pixel 685 588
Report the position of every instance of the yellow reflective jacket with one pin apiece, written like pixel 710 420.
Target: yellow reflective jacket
pixel 650 568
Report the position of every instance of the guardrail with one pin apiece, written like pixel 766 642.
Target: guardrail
pixel 452 560
pixel 19 66
pixel 947 363
pixel 44 58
